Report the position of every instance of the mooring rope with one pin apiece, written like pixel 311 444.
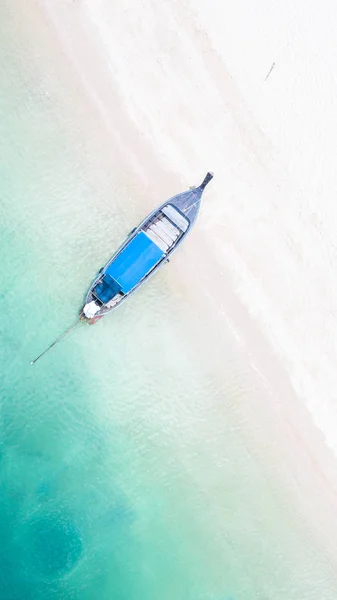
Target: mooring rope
pixel 57 340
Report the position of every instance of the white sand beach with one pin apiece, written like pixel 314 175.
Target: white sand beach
pixel 172 90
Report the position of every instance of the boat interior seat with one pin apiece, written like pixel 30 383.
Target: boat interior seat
pixel 170 230
pixel 106 289
pixel 157 240
pixel 176 217
pixel 161 233
pixel 169 227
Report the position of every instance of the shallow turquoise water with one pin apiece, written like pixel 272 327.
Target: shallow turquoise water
pixel 80 514
pixel 127 468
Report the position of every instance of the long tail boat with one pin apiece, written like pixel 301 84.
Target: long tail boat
pixel 145 250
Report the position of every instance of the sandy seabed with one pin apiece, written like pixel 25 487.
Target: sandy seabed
pixel 175 89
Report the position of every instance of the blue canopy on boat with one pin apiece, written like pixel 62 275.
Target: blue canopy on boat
pixel 134 262
pixel 107 289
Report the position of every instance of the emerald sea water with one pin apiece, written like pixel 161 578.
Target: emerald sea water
pixel 129 461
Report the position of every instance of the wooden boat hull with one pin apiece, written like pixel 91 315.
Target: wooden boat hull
pixel 145 250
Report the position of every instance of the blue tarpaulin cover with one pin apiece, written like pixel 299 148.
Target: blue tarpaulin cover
pixel 134 262
pixel 107 289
